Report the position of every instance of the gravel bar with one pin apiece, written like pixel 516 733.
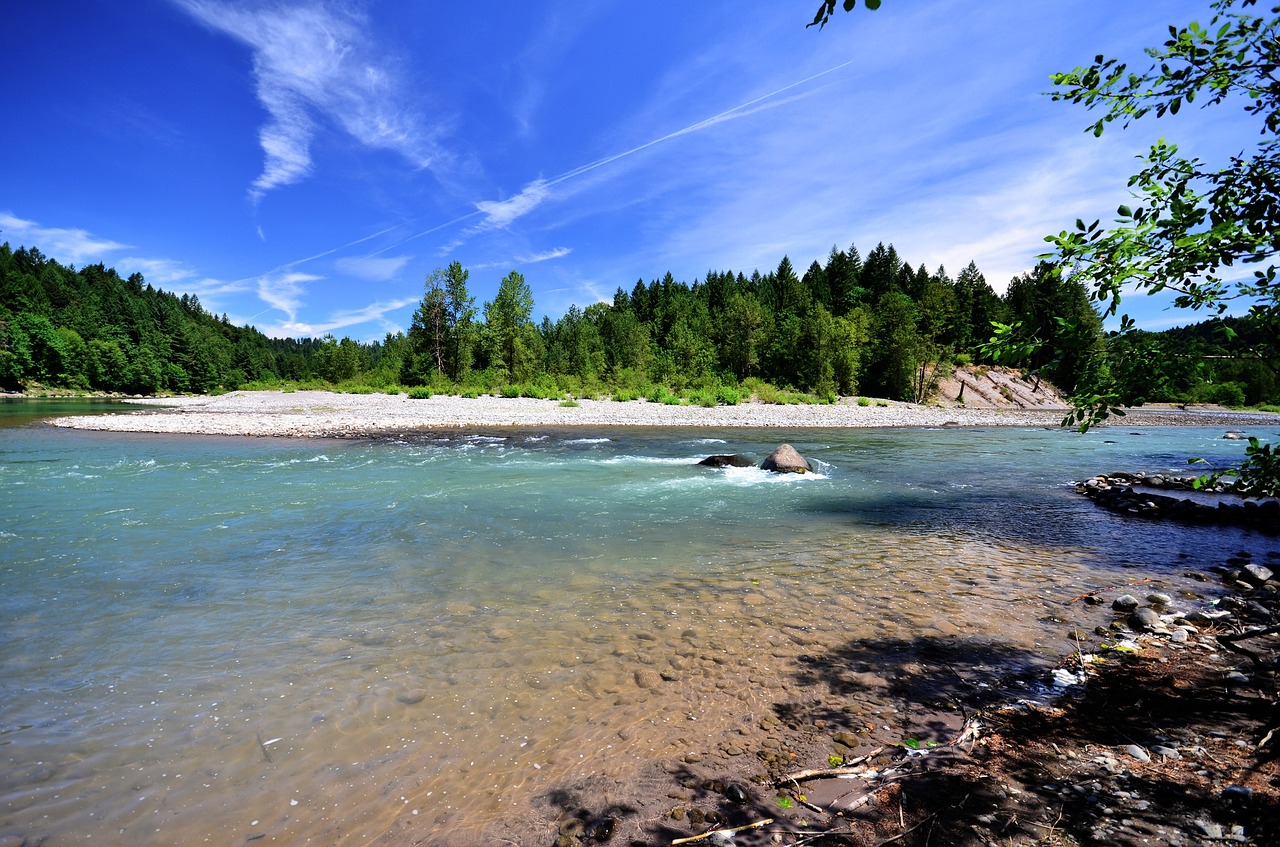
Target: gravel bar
pixel 323 414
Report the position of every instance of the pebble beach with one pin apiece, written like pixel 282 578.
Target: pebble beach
pixel 322 414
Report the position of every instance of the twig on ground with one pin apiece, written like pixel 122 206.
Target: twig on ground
pixel 1229 640
pixel 730 831
pixel 849 768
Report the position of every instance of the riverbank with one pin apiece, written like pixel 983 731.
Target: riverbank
pixel 322 414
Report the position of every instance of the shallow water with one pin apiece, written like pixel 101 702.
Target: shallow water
pixel 207 640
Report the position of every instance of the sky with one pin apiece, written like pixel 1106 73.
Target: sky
pixel 302 166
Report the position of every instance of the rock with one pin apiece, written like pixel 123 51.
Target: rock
pixel 736 793
pixel 846 739
pixel 727 461
pixel 1255 575
pixel 1236 794
pixel 786 459
pixel 1166 752
pixel 412 698
pixel 1159 599
pixel 1146 620
pixel 1138 753
pixel 1233 435
pixel 1125 603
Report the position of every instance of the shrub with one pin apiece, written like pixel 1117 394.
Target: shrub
pixel 569 404
pixel 1223 393
pixel 728 395
pixel 623 395
pixel 863 401
pixel 703 397
pixel 420 392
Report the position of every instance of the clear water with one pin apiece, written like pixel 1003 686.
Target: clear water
pixel 209 640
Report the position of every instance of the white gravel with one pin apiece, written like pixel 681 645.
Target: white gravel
pixel 322 414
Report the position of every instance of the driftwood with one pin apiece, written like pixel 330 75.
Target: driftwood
pixel 848 769
pixel 1229 640
pixel 705 835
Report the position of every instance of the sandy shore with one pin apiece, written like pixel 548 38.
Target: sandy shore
pixel 322 414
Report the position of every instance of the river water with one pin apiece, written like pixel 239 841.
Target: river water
pixel 208 640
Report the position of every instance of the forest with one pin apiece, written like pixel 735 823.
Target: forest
pixel 870 326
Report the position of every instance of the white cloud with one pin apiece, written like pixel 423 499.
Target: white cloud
pixel 374 312
pixel 284 291
pixel 67 246
pixel 314 63
pixel 373 268
pixel 500 213
pixel 545 256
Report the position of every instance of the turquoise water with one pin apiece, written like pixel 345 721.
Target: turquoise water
pixel 359 642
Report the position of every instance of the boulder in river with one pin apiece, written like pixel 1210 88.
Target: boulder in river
pixel 728 461
pixel 786 459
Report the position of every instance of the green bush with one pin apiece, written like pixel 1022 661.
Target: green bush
pixel 703 397
pixel 863 401
pixel 420 392
pixel 728 395
pixel 1222 393
pixel 623 395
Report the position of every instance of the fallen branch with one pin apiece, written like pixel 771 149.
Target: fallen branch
pixel 1229 640
pixel 693 838
pixel 849 768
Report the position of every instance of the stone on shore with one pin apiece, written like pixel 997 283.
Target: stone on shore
pixel 786 459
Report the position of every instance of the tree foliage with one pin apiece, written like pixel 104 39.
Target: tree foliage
pixel 1209 233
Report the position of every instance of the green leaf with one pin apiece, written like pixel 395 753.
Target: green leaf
pixel 913 743
pixel 1124 212
pixel 784 802
pixel 873 4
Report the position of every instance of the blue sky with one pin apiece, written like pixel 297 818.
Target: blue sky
pixel 302 166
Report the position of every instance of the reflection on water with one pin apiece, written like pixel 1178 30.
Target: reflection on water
pixel 218 639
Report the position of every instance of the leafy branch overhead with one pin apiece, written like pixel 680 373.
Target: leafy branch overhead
pixel 828 8
pixel 1192 223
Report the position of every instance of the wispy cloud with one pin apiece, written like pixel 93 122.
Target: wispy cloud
pixel 545 256
pixel 315 64
pixel 373 268
pixel 73 246
pixel 528 259
pixel 501 213
pixel 374 312
pixel 284 291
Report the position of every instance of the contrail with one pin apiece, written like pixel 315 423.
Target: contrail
pixel 702 124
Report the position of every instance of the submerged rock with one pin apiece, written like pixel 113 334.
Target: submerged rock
pixel 786 459
pixel 727 461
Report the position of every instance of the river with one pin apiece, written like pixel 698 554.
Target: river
pixel 208 640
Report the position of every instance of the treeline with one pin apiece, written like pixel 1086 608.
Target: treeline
pixel 872 326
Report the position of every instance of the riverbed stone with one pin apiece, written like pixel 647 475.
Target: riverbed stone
pixel 786 459
pixel 1125 603
pixel 1146 620
pixel 735 459
pixel 1255 575
pixel 1138 753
